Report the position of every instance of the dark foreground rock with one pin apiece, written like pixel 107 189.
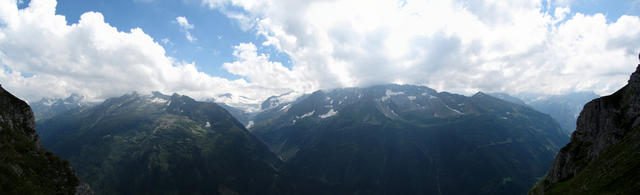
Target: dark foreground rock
pixel 603 156
pixel 25 167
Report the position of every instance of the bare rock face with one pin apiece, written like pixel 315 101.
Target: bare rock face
pixel 606 128
pixel 16 114
pixel 25 167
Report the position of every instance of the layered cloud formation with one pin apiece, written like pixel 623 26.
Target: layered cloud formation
pixel 460 46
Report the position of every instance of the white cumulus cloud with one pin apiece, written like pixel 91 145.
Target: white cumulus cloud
pixel 185 26
pixel 460 46
pixel 258 69
pixel 42 56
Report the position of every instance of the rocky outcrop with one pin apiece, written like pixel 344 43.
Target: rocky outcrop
pixel 17 115
pixel 602 156
pixel 26 168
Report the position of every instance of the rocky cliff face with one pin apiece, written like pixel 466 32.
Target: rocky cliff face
pixel 26 168
pixel 602 156
pixel 16 115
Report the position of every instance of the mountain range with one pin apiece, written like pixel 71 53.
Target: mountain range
pixel 403 139
pixel 160 144
pixel 375 140
pixel 384 139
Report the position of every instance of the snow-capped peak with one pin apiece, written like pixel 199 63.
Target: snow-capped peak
pixel 275 101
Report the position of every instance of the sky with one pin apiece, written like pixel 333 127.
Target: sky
pixel 253 49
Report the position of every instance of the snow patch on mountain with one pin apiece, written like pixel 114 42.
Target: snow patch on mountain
pixel 394 113
pixel 330 113
pixel 250 124
pixel 275 101
pixel 308 114
pixel 390 93
pixel 158 100
pixel 285 108
pixel 454 110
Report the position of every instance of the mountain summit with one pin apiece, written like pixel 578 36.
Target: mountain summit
pixel 49 107
pixel 602 157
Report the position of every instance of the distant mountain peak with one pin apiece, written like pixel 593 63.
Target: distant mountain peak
pixel 479 94
pixel 48 107
pixel 158 94
pixel 275 101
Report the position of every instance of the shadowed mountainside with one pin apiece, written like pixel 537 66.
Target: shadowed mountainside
pixel 26 168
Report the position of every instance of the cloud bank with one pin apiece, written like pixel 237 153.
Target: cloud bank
pixel 42 56
pixel 460 46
